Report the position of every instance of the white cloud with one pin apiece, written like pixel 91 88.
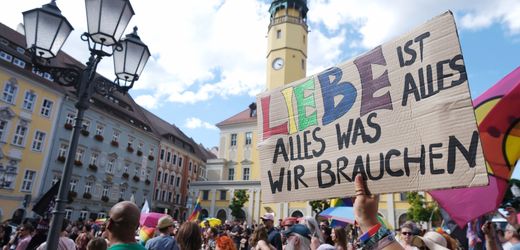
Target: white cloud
pixel 207 48
pixel 194 122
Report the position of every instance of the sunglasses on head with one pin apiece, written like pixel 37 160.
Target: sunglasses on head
pixel 406 233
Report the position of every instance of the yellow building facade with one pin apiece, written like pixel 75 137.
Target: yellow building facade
pixel 29 105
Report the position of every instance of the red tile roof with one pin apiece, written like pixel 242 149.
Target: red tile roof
pixel 242 117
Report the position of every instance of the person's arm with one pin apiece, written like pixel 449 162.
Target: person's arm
pixel 365 213
pixel 489 233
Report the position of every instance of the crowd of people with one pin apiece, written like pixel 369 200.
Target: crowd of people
pixel 119 232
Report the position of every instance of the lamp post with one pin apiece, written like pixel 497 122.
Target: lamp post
pixel 46 30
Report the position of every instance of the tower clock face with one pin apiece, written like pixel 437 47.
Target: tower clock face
pixel 278 63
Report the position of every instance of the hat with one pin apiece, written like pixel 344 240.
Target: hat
pixel 289 221
pixel 268 216
pixel 435 241
pixel 165 222
pixel 326 247
pixel 298 229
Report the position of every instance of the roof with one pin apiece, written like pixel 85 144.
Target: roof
pixel 242 117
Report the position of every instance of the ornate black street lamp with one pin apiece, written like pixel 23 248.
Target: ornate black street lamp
pixel 46 31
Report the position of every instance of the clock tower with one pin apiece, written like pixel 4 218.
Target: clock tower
pixel 287 42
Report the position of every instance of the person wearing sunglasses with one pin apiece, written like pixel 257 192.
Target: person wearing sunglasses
pixel 406 236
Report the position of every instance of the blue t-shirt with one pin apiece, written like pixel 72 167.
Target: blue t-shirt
pixel 162 242
pixel 275 238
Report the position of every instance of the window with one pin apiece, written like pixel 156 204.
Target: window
pixel 402 196
pixel 156 194
pixel 125 169
pixel 28 180
pixel 110 165
pixel 130 141
pixel 178 181
pixel 169 157
pixel 70 119
pixel 48 76
pixel 162 154
pixel 73 184
pixel 205 195
pixel 83 214
pixel 177 199
pixel 231 174
pixel 85 125
pixel 165 178
pixel 18 62
pixel 79 154
pixel 39 139
pixel 37 72
pixel 174 159
pixel 140 146
pixel 223 195
pixel 3 128
pixel 55 179
pixel 170 196
pixel 172 179
pixel 63 150
pixel 28 100
pixel 233 139
pixel 93 158
pixel 101 215
pixel 88 186
pixel 19 135
pixel 278 34
pixel 189 167
pixel 303 63
pixel 180 161
pixel 122 193
pixel 105 190
pixel 9 92
pixel 20 50
pixel 115 135
pixel 46 108
pixel 152 150
pixel 159 175
pixel 68 213
pixel 6 56
pixel 99 129
pixel 249 138
pixel 245 177
pixel 163 195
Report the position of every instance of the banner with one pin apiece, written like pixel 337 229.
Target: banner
pixel 400 115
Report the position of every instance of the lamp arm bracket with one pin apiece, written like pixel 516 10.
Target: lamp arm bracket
pixel 104 87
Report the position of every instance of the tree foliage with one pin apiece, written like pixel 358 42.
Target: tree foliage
pixel 240 197
pixel 319 205
pixel 420 210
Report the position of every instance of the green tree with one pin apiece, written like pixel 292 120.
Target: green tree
pixel 319 205
pixel 240 197
pixel 420 210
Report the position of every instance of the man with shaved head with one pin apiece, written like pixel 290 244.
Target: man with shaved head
pixel 121 226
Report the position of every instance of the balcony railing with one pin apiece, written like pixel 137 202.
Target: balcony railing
pixel 288 19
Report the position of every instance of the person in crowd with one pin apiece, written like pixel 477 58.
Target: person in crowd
pixel 273 235
pixel 25 236
pixel 406 236
pixel 64 243
pixel 97 244
pixel 121 226
pixel 298 237
pixel 225 243
pixel 339 236
pixel 84 237
pixel 165 240
pixel 188 236
pixel 258 240
pixel 326 232
pixel 40 235
pixel 236 232
pixel 210 236
pixel 512 237
pixel 434 241
pixel 313 226
pixel 288 222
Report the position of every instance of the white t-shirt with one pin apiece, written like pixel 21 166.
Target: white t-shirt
pixel 65 244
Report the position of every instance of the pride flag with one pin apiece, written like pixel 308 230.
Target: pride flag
pixel 196 211
pixel 498 116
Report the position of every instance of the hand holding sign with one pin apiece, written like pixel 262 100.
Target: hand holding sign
pixel 365 205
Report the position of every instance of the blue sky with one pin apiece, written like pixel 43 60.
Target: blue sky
pixel 208 56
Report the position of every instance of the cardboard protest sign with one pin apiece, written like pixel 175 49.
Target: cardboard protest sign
pixel 400 115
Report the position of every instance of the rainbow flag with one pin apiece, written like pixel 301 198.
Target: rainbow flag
pixel 146 233
pixel 196 211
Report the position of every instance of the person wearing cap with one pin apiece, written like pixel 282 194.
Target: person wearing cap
pixel 434 241
pixel 512 237
pixel 298 237
pixel 165 240
pixel 273 236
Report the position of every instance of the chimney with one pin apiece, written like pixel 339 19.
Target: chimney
pixel 252 109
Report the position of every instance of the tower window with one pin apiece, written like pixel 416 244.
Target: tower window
pixel 278 34
pixel 303 39
pixel 303 64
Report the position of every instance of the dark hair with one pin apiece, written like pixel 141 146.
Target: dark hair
pixel 188 236
pixel 88 227
pixel 64 225
pixel 97 244
pixel 260 233
pixel 341 236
